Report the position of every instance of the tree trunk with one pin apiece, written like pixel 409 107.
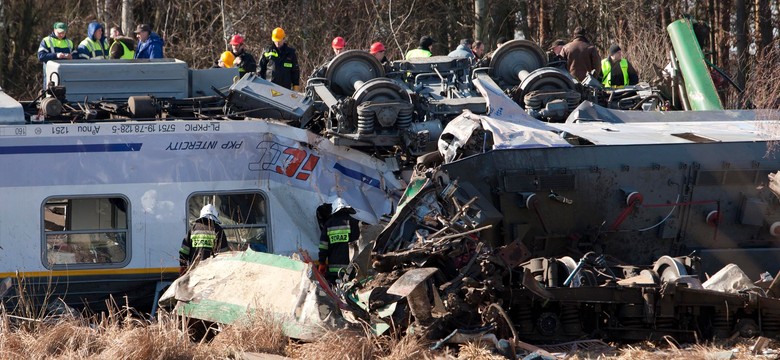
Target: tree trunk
pixel 525 28
pixel 725 28
pixel 543 21
pixel 713 25
pixel 531 17
pixel 3 41
pixel 480 16
pixel 740 35
pixel 764 24
pixel 666 14
pixel 127 17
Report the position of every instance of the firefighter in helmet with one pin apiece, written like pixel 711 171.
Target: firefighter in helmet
pixel 204 239
pixel 338 231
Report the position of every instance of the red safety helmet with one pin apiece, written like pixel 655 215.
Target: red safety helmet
pixel 236 40
pixel 377 47
pixel 338 42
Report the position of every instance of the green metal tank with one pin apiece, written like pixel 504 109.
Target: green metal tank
pixel 701 91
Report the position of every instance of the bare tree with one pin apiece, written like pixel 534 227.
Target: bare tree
pixel 740 35
pixel 763 20
pixel 127 16
pixel 480 17
pixel 3 39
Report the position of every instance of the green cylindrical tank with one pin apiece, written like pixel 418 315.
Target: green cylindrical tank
pixel 701 91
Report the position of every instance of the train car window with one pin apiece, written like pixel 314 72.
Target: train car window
pixel 85 230
pixel 244 217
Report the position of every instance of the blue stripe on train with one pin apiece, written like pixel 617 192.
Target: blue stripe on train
pixel 357 175
pixel 78 148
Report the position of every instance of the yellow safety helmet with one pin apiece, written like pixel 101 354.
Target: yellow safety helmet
pixel 278 34
pixel 227 58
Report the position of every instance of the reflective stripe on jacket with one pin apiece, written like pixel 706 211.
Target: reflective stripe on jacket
pixel 280 66
pixel 339 230
pixel 92 49
pixel 51 46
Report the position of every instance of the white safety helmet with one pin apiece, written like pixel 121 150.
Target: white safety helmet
pixel 209 211
pixel 339 204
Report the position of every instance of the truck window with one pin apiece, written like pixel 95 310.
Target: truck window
pixel 85 230
pixel 244 217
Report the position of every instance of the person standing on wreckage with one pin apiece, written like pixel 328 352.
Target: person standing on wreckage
pixel 204 239
pixel 339 230
pixel 279 63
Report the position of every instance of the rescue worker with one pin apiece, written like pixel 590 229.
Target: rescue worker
pixel 339 230
pixel 150 45
pixel 94 46
pixel 204 239
pixel 554 57
pixel 616 70
pixel 581 56
pixel 424 50
pixel 56 46
pixel 378 50
pixel 279 63
pixel 463 50
pixel 122 47
pixel 244 61
pixel 478 48
pixel 226 60
pixel 338 45
pixel 485 60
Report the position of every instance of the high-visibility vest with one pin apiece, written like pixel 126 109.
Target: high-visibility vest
pixel 126 54
pixel 93 45
pixel 606 71
pixel 418 53
pixel 53 43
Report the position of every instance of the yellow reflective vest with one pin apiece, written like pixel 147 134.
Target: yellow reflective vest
pixel 606 71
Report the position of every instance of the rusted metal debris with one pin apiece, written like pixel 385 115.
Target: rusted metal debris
pixel 433 276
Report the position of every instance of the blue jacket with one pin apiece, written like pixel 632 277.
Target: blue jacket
pixel 152 48
pixel 91 48
pixel 51 46
pixel 462 51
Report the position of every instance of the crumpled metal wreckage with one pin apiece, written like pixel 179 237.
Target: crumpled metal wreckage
pixel 432 276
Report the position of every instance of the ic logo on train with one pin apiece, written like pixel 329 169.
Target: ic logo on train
pixel 285 160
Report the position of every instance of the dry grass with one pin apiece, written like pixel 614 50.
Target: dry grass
pixel 119 335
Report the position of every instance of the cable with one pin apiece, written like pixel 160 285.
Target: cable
pixel 664 219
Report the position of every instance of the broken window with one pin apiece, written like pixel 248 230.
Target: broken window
pixel 85 230
pixel 244 217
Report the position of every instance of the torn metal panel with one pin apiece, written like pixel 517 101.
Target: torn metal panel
pixel 232 286
pixel 730 279
pixel 588 111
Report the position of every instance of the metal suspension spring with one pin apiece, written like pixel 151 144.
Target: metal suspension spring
pixel 573 99
pixel 570 319
pixel 631 322
pixel 404 120
pixel 533 102
pixel 770 323
pixel 366 119
pixel 722 321
pixel 664 322
pixel 524 322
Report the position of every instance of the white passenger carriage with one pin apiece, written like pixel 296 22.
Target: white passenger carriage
pixel 91 210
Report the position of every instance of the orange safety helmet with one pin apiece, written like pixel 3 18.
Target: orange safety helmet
pixel 227 59
pixel 338 42
pixel 237 39
pixel 278 34
pixel 377 47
